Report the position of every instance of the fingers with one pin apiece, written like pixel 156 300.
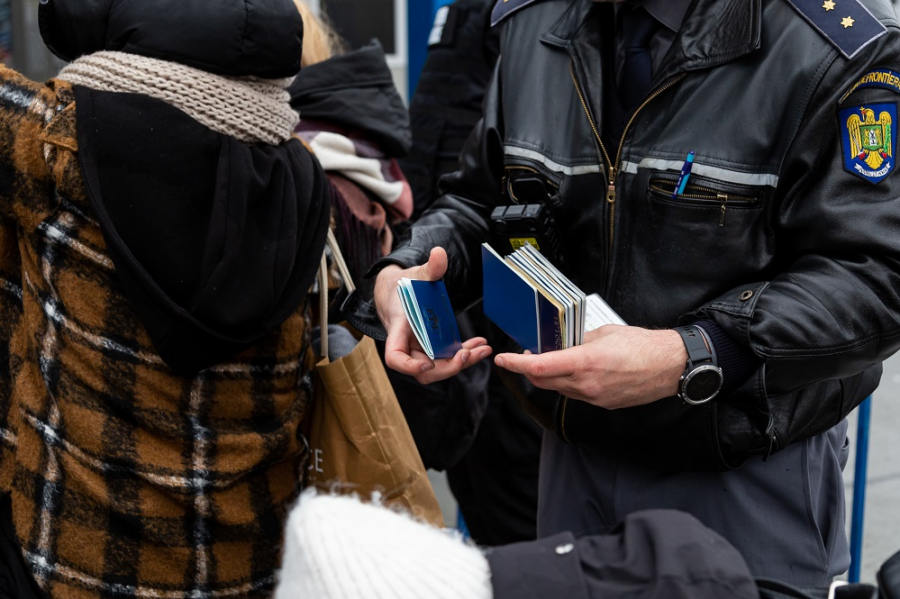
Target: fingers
pixel 474 342
pixel 550 365
pixel 444 369
pixel 402 352
pixel 556 371
pixel 387 302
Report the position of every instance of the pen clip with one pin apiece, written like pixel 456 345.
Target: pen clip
pixel 683 177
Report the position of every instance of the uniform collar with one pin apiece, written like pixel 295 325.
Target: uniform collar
pixel 668 12
pixel 712 32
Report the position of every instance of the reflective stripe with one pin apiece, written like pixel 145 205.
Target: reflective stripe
pixel 584 169
pixel 704 170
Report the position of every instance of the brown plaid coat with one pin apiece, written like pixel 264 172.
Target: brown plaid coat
pixel 126 480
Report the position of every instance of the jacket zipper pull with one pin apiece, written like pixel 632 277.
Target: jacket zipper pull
pixel 611 191
pixel 722 197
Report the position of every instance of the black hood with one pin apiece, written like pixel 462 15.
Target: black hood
pixel 263 38
pixel 355 91
pixel 215 242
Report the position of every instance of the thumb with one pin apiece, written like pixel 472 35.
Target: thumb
pixel 436 266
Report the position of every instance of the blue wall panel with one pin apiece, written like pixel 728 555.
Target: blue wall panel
pixel 420 15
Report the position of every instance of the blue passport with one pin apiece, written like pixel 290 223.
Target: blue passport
pixel 515 305
pixel 428 310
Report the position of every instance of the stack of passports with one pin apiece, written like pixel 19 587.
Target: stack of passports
pixel 535 304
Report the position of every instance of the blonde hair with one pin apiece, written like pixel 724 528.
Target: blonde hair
pixel 320 42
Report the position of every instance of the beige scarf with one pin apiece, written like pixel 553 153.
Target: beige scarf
pixel 251 109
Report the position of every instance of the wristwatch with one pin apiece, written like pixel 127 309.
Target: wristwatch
pixel 702 378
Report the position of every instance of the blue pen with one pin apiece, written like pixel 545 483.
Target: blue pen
pixel 684 176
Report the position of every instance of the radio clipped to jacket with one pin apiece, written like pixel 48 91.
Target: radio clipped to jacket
pixel 529 220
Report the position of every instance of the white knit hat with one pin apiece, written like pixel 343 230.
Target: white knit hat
pixel 339 548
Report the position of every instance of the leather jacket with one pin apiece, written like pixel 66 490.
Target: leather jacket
pixel 775 240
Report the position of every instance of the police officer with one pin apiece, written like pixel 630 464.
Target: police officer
pixel 723 173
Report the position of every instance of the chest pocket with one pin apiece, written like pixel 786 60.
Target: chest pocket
pixel 714 202
pixel 715 230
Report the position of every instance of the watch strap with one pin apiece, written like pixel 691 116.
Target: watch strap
pixel 696 344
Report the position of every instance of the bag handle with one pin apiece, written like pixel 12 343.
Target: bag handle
pixel 323 286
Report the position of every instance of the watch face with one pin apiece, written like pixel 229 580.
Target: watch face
pixel 703 383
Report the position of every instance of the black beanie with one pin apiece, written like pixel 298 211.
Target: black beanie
pixel 263 38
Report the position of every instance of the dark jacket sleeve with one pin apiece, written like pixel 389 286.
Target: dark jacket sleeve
pixel 459 220
pixel 833 307
pixel 656 554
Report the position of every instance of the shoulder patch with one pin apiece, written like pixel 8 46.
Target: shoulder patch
pixel 847 24
pixel 504 8
pixel 441 18
pixel 868 135
pixel 883 78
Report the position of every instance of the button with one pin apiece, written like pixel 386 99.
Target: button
pixel 564 549
pixel 746 295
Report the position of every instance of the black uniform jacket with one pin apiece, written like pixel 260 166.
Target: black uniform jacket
pixel 787 237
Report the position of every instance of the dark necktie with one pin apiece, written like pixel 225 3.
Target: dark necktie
pixel 637 29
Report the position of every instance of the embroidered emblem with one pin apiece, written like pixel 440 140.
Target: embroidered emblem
pixel 850 30
pixel 883 78
pixel 869 141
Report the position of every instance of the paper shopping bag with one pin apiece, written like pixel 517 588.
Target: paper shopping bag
pixel 359 440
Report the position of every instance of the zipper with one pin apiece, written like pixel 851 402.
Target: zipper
pixel 613 170
pixel 704 194
pixel 614 167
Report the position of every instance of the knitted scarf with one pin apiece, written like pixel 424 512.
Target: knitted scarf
pixel 250 109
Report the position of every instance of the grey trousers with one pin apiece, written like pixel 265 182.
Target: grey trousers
pixel 785 515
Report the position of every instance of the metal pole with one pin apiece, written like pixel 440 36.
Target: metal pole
pixel 864 417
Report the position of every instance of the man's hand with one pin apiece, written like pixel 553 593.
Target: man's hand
pixel 402 351
pixel 617 367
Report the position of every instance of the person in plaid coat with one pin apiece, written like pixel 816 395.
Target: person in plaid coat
pixel 160 228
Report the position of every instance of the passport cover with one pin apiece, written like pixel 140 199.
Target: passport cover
pixel 436 317
pixel 517 307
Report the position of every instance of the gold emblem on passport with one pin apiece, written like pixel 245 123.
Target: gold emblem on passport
pixel 517 242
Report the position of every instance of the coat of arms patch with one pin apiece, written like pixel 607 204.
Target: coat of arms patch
pixel 868 134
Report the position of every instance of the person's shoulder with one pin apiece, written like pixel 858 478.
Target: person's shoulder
pixel 883 10
pixel 26 109
pixel 17 92
pixel 847 25
pixel 506 8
